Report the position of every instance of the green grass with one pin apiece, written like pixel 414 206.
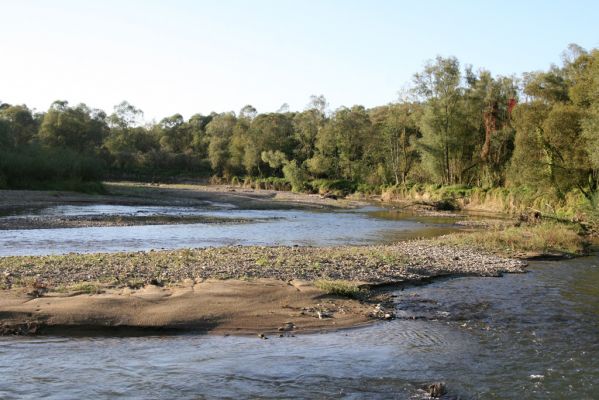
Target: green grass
pixel 547 237
pixel 340 288
pixel 135 283
pixel 83 287
pixel 338 187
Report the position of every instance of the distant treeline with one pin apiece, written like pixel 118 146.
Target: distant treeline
pixel 456 126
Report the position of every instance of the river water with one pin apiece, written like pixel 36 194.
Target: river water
pixel 367 225
pixel 522 336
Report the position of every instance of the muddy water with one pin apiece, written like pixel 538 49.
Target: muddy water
pixel 267 227
pixel 532 336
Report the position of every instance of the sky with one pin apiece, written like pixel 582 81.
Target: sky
pixel 188 57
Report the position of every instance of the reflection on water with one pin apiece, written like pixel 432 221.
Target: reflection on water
pixel 532 336
pixel 272 227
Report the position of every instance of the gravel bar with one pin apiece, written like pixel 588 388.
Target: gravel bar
pixel 404 261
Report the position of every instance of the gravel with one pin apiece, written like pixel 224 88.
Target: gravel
pixel 86 221
pixel 404 261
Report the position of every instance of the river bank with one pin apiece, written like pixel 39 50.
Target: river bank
pixel 186 198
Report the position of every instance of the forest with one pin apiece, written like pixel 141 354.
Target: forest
pixel 456 127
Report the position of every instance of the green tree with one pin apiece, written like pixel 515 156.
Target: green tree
pixel 352 128
pixel 79 128
pixel 127 142
pixel 219 131
pixel 19 123
pixel 447 143
pixel 398 132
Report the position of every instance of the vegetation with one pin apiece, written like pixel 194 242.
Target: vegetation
pixel 340 288
pixel 83 288
pixel 543 238
pixel 534 136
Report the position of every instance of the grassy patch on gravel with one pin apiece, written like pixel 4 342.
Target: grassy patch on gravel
pixel 340 288
pixel 547 237
pixel 84 288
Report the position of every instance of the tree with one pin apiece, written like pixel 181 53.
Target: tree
pixel 174 135
pixel 446 142
pixel 127 142
pixel 268 132
pixel 306 126
pixel 555 135
pixel 399 132
pixel 352 128
pixel 488 105
pixel 219 131
pixel 79 128
pixel 19 125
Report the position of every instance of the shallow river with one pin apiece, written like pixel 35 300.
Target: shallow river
pixel 522 336
pixel 272 227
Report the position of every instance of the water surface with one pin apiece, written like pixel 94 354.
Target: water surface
pixel 533 336
pixel 367 225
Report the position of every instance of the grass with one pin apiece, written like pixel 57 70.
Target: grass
pixel 135 283
pixel 340 288
pixel 546 237
pixel 572 206
pixel 83 288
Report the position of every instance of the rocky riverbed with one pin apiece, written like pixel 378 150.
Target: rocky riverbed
pixel 88 221
pixel 404 261
pixel 224 290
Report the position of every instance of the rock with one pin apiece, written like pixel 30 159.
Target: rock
pixel 324 314
pixel 262 336
pixel 289 326
pixel 156 282
pixel 436 390
pixel 329 195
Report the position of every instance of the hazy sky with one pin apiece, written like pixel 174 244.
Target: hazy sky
pixel 200 56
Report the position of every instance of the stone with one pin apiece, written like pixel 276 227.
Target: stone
pixel 436 389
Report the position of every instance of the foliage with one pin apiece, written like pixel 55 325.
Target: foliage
pixel 340 288
pixel 547 237
pixel 460 127
pixel 296 175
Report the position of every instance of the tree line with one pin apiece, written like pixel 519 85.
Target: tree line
pixel 456 126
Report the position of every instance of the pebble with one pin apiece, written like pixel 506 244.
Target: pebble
pixel 403 261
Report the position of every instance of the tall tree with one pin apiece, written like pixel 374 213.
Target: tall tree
pixel 446 143
pixel 79 128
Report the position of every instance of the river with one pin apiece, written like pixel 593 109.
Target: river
pixel 533 336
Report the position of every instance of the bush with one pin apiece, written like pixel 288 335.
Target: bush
pixel 338 187
pixel 542 238
pixel 340 288
pixel 36 167
pixel 296 175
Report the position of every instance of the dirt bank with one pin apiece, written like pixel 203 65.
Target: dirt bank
pixel 131 193
pixel 214 197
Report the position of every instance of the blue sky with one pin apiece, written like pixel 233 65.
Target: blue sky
pixel 201 56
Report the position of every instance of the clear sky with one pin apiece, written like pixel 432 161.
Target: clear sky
pixel 185 57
